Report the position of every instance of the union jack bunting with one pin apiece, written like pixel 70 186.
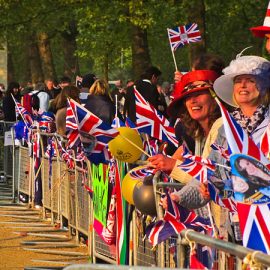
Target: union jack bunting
pixel 20 110
pixel 151 122
pixel 265 144
pixel 176 219
pixel 182 35
pixel 238 140
pixel 255 225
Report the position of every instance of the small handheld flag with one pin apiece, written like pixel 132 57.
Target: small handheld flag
pixel 182 35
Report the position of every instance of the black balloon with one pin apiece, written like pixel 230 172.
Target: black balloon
pixel 144 199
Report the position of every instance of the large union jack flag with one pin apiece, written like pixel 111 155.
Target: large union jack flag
pixel 182 35
pixel 255 225
pixel 88 123
pixel 151 122
pixel 238 140
pixel 176 219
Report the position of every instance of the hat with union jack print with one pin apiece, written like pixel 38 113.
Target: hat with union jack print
pixel 191 82
pixel 261 31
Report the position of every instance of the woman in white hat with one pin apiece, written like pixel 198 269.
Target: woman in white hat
pixel 245 86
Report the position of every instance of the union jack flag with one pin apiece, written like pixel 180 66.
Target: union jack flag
pixel 255 225
pixel 20 110
pixel 265 144
pixel 228 203
pixel 176 219
pixel 182 35
pixel 89 123
pixel 238 140
pixel 150 121
pixel 197 169
pixel 141 173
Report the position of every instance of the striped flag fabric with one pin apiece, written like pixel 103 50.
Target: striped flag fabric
pixel 238 140
pixel 228 203
pixel 197 169
pixel 265 143
pixel 89 123
pixel 20 110
pixel 72 128
pixel 176 218
pixel 182 35
pixel 81 124
pixel 141 173
pixel 121 233
pixel 255 225
pixel 151 122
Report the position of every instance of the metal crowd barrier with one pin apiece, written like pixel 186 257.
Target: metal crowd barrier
pixel 66 201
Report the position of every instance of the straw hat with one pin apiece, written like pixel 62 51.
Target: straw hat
pixel 261 31
pixel 249 65
pixel 194 81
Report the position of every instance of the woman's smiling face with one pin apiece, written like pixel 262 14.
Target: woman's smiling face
pixel 245 90
pixel 200 105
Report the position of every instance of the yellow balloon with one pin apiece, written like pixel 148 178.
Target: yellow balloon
pixel 122 147
pixel 128 185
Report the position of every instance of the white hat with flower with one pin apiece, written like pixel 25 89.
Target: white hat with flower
pixel 249 65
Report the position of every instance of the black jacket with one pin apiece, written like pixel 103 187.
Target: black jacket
pixel 101 106
pixel 9 108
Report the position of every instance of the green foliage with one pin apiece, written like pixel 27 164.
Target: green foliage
pixel 104 30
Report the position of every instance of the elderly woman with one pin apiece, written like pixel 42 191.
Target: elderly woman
pixel 244 86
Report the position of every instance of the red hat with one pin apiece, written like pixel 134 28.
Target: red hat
pixel 261 31
pixel 187 85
